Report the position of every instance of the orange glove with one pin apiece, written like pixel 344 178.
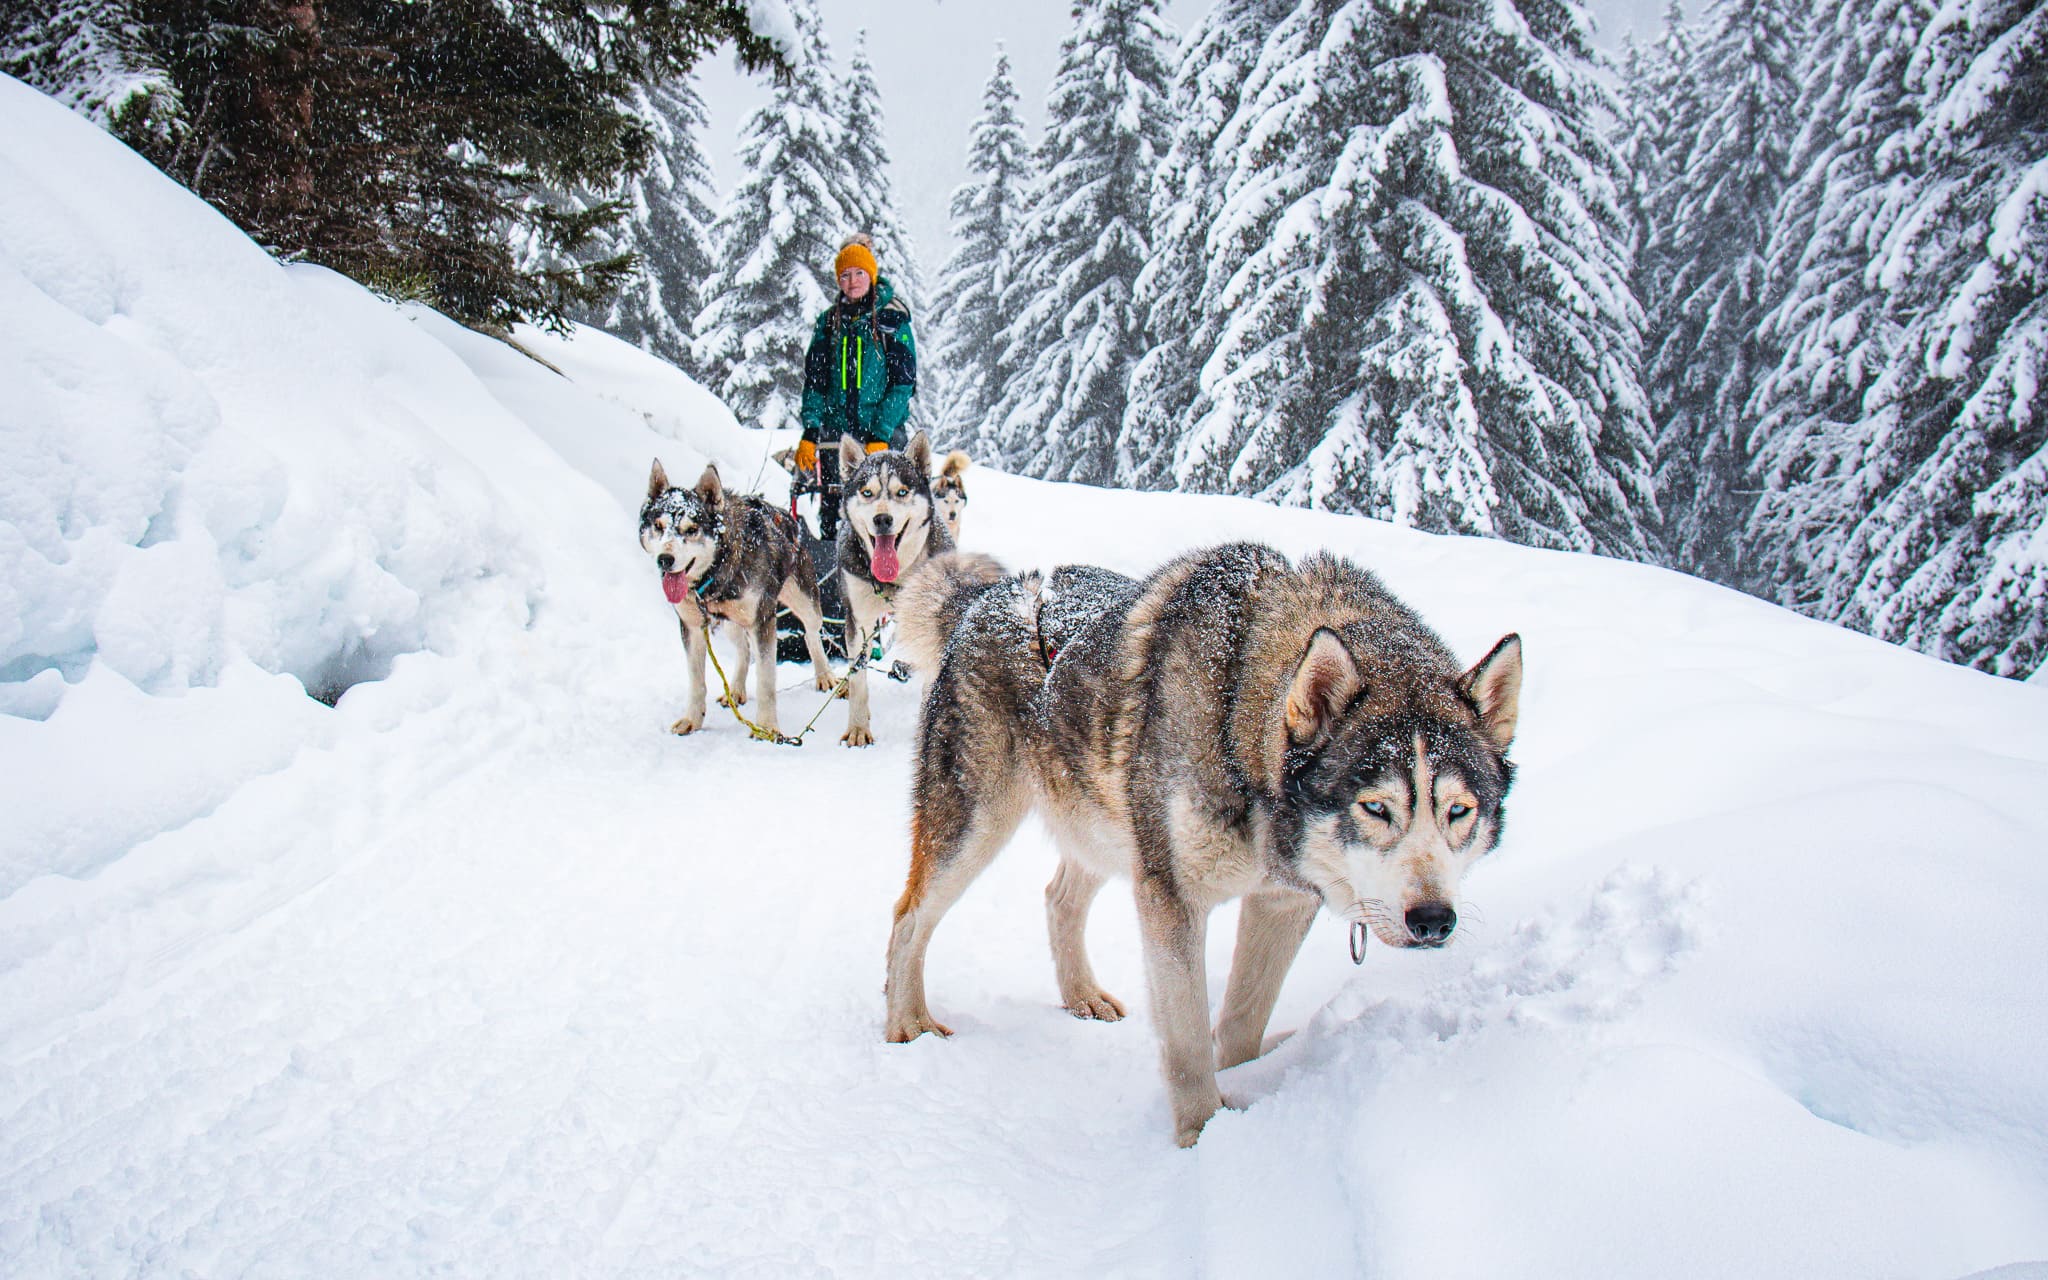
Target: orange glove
pixel 876 446
pixel 807 456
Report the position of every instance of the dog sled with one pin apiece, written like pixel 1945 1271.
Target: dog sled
pixel 789 632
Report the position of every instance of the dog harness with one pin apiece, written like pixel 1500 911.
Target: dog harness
pixel 1047 654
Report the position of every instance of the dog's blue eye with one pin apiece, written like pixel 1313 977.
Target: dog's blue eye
pixel 1459 811
pixel 1375 808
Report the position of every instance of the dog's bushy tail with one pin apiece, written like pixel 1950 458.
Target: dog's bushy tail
pixel 934 599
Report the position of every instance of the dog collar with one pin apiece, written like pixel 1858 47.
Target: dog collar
pixel 1359 934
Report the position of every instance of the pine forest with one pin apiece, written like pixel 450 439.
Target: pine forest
pixel 1764 300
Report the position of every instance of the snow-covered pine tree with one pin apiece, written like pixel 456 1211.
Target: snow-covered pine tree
pixel 1434 322
pixel 1954 558
pixel 1186 195
pixel 1831 323
pixel 870 200
pixel 1657 103
pixel 1072 331
pixel 1726 115
pixel 1274 155
pixel 90 56
pixel 870 195
pixel 775 240
pixel 670 212
pixel 966 310
pixel 1653 97
pixel 1288 408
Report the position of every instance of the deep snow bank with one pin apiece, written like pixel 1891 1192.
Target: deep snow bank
pixel 226 484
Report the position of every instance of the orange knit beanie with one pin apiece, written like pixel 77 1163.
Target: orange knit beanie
pixel 858 251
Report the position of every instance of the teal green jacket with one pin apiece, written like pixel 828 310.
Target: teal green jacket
pixel 861 369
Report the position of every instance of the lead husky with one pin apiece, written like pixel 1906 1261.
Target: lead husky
pixel 890 526
pixel 1234 726
pixel 730 556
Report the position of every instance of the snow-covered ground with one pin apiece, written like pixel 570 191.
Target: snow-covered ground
pixel 479 972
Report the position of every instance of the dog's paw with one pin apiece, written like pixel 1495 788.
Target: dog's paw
pixel 857 735
pixel 909 1027
pixel 1099 1005
pixel 824 680
pixel 688 724
pixel 1190 1116
pixel 738 699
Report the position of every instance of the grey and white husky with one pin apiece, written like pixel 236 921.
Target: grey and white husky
pixel 888 526
pixel 731 557
pixel 1234 726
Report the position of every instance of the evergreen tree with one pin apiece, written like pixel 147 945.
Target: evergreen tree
pixel 966 311
pixel 1186 197
pixel 1433 321
pixel 1954 558
pixel 1832 324
pixel 870 191
pixel 396 143
pixel 1655 99
pixel 870 199
pixel 1072 331
pixel 88 55
pixel 1902 431
pixel 1726 116
pixel 670 211
pixel 776 239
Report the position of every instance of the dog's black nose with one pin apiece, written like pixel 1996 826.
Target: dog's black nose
pixel 664 562
pixel 1431 923
pixel 884 522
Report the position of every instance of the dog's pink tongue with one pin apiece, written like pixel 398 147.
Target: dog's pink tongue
pixel 675 586
pixel 883 561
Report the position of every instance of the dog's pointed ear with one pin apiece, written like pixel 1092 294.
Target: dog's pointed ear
pixel 1324 684
pixel 850 454
pixel 1495 685
pixel 708 487
pixel 920 454
pixel 657 481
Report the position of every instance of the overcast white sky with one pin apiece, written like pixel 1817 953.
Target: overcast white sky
pixel 932 58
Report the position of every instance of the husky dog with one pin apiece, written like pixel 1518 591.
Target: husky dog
pixel 890 526
pixel 1233 726
pixel 730 556
pixel 949 491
